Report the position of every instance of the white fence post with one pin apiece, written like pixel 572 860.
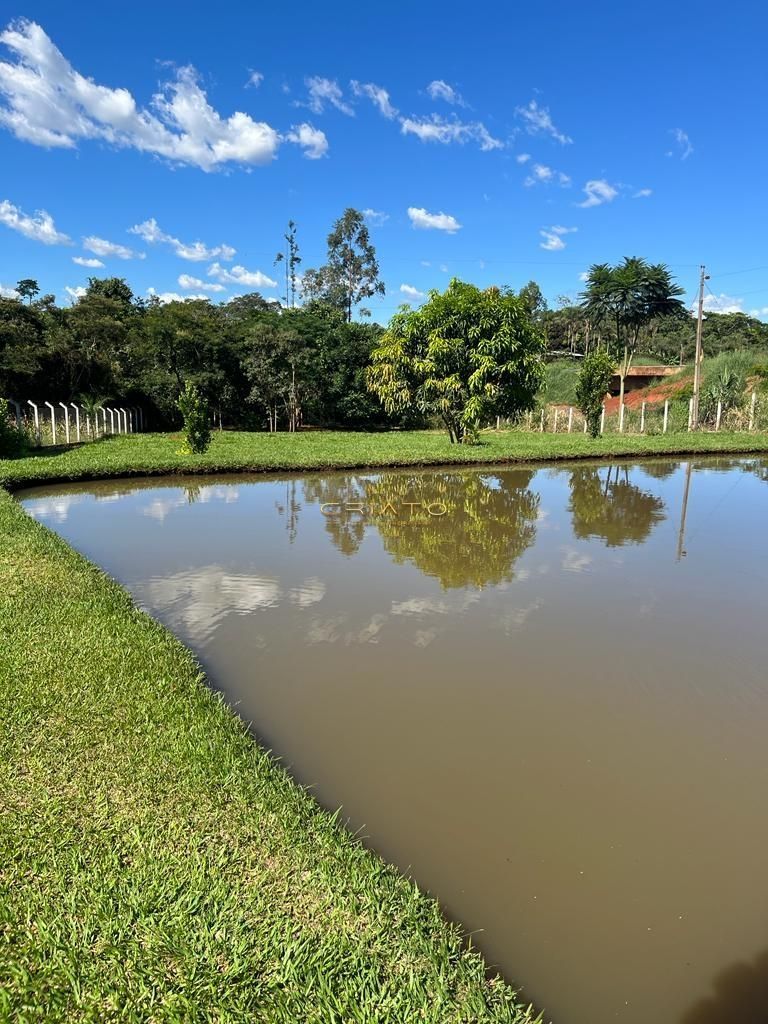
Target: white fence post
pixel 17 407
pixel 53 420
pixel 570 419
pixel 66 420
pixel 719 415
pixel 37 420
pixel 77 422
pixel 690 414
pixel 554 428
pixel 642 419
pixel 602 419
pixel 111 420
pixel 541 425
pixel 621 418
pixel 666 415
pixel 124 414
pixel 752 410
pixel 585 424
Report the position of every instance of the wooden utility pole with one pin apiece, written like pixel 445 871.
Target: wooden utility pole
pixel 699 355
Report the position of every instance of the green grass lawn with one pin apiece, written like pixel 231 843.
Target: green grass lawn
pixel 141 454
pixel 155 863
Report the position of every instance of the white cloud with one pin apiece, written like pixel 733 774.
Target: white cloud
pixel 723 303
pixel 375 217
pixel 104 248
pixel 7 291
pixel 759 312
pixel 255 78
pixel 584 276
pixel 188 283
pixel 49 103
pixel 523 158
pixel 437 129
pixel 553 237
pixel 421 218
pixel 311 139
pixel 643 193
pixel 411 292
pixel 598 191
pixel 165 297
pixel 541 174
pixel 324 91
pixel 551 242
pixel 239 275
pixel 39 227
pixel 539 122
pixel 378 95
pixel 440 90
pixel 684 147
pixel 196 252
pixel 75 293
pixel 85 261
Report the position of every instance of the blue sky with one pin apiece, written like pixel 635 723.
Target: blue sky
pixel 497 143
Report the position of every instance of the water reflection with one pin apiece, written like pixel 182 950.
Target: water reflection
pixel 740 996
pixel 608 505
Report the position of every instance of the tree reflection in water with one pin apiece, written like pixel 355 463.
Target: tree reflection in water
pixel 613 508
pixel 489 521
pixel 740 996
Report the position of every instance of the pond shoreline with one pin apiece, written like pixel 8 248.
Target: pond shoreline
pixel 156 454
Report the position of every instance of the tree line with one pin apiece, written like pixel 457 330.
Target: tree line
pixel 462 358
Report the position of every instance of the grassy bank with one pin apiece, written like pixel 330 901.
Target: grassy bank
pixel 158 453
pixel 155 863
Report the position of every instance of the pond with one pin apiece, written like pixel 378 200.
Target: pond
pixel 544 696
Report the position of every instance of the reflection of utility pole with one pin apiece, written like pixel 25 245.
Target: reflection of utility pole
pixel 683 513
pixel 697 363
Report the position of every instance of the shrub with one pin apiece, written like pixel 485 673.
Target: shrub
pixel 13 441
pixel 727 387
pixel 194 409
pixel 594 379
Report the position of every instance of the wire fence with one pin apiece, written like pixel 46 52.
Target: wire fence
pixel 670 417
pixel 63 423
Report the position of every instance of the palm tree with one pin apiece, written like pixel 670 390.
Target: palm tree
pixel 92 406
pixel 630 296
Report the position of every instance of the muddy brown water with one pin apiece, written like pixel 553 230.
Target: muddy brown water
pixel 549 704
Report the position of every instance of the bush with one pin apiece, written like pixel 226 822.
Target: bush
pixel 13 441
pixel 594 379
pixel 197 430
pixel 727 388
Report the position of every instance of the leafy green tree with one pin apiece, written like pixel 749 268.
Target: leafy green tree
pixel 291 259
pixel 194 410
pixel 631 295
pixel 279 365
pixel 464 356
pixel 594 378
pixel 352 271
pixel 22 347
pixel 533 301
pixel 28 288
